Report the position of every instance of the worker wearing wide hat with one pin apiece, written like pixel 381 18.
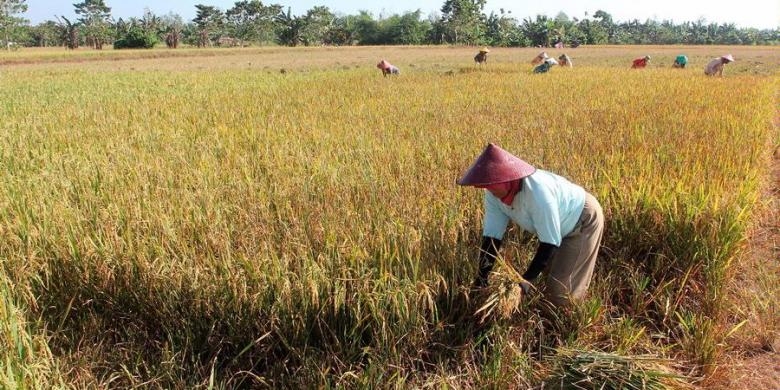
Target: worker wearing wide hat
pixel 715 66
pixel 481 57
pixel 567 221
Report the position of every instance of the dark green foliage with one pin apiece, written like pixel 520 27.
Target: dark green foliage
pixel 136 38
pixel 460 22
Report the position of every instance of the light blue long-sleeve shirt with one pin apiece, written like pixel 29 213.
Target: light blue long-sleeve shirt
pixel 548 206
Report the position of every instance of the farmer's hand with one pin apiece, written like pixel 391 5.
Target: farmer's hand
pixel 526 286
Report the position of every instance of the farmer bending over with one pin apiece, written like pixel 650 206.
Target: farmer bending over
pixel 564 60
pixel 715 67
pixel 481 57
pixel 567 221
pixel 545 66
pixel 387 68
pixel 640 63
pixel 680 61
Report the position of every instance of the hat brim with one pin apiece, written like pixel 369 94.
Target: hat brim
pixel 495 165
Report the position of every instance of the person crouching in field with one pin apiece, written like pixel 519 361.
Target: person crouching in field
pixel 545 66
pixel 715 67
pixel 481 57
pixel 564 60
pixel 640 63
pixel 567 221
pixel 680 61
pixel 539 58
pixel 387 68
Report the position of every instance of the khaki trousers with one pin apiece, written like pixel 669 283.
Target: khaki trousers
pixel 571 266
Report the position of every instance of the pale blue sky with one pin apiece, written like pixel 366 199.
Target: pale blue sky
pixel 744 13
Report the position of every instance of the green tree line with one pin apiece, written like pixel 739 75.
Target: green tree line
pixel 459 22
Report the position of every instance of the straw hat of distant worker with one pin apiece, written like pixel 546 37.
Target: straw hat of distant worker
pixel 481 57
pixel 540 58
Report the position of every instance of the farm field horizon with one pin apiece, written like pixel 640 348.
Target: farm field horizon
pixel 287 217
pixel 760 60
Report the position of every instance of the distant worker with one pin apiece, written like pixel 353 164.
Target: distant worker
pixel 540 58
pixel 680 61
pixel 545 66
pixel 640 62
pixel 481 57
pixel 715 67
pixel 387 68
pixel 564 60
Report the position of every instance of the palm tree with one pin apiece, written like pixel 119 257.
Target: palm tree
pixel 69 33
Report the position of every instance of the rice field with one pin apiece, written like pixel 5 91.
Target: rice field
pixel 288 218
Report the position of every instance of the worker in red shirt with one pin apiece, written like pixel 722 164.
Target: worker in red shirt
pixel 387 68
pixel 640 62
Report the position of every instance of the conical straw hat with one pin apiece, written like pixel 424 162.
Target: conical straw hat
pixel 495 165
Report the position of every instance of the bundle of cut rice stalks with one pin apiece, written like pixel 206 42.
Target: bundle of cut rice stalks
pixel 574 369
pixel 498 301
